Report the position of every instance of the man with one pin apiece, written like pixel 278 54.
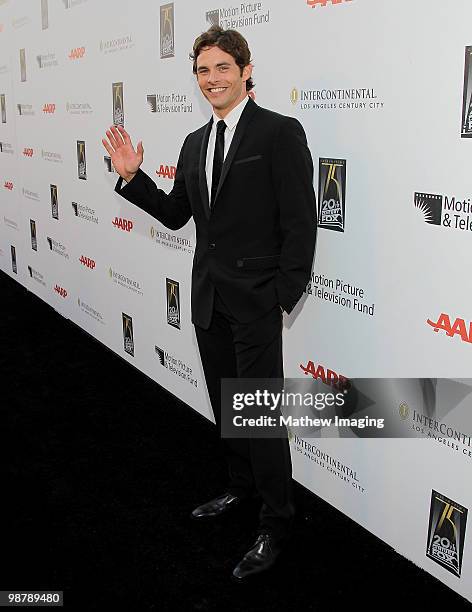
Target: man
pixel 246 177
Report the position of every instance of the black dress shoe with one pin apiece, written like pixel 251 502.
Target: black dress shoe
pixel 217 506
pixel 260 557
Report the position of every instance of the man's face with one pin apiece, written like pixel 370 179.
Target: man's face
pixel 220 79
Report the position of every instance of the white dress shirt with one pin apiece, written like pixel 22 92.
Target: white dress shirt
pixel 231 121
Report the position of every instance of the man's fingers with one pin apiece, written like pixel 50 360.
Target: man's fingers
pixel 140 149
pixel 107 147
pixel 118 137
pixel 112 140
pixel 125 135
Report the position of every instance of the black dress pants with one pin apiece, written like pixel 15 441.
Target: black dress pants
pixel 229 349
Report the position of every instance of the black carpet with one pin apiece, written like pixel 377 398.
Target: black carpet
pixel 102 470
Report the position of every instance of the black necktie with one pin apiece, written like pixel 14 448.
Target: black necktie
pixel 218 158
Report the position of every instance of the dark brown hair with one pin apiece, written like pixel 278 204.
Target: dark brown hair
pixel 230 41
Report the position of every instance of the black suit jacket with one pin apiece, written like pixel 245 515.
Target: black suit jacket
pixel 256 244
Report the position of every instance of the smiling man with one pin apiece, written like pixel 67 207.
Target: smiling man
pixel 246 178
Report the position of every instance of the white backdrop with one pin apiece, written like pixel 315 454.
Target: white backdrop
pixel 379 87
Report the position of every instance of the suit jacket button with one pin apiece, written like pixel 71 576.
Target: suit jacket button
pixel 212 246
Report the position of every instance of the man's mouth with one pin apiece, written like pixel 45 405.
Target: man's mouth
pixel 216 89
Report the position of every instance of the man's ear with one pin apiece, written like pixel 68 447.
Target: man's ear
pixel 247 72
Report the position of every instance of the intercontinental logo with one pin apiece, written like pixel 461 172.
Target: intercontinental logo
pixel 51 156
pixel 113 45
pixel 176 366
pixel 125 281
pixel 325 461
pixel 30 195
pixel 446 211
pixel 167 30
pixel 90 311
pixel 243 15
pixel 340 292
pixel 171 241
pixel 174 102
pixel 345 99
pixel 11 224
pixel 79 108
pixel 19 22
pixel 446 532
pixel 404 411
pixel 432 427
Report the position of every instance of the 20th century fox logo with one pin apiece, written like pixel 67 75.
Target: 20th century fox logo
pixel 81 162
pixel 173 303
pixel 167 30
pixel 128 337
pixel 14 265
pixel 54 202
pixel 466 131
pixel 3 107
pixel 34 239
pixel 332 194
pixel 446 532
pixel 118 106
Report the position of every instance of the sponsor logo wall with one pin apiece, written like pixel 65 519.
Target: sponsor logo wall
pixel 390 136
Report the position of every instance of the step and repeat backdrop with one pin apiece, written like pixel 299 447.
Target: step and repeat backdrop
pixel 384 91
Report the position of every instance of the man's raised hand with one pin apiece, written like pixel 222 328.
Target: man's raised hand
pixel 124 158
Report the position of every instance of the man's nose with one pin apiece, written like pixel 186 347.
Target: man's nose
pixel 213 76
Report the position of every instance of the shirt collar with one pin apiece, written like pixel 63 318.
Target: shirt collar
pixel 233 117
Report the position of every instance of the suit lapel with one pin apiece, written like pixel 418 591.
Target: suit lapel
pixel 202 180
pixel 243 122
